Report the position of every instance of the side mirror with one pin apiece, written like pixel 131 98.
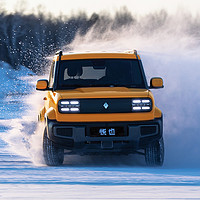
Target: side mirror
pixel 42 84
pixel 156 83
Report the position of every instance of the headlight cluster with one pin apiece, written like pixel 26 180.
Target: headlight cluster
pixel 139 105
pixel 69 106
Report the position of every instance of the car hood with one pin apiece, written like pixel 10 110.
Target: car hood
pixel 102 92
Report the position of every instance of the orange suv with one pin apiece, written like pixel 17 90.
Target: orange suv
pixel 100 103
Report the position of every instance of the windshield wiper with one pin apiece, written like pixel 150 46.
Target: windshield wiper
pixel 73 86
pixel 113 85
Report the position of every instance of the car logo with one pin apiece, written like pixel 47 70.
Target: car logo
pixel 105 105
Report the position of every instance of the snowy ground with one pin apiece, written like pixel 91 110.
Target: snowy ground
pixel 23 176
pixel 86 178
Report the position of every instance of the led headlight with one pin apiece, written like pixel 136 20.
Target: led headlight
pixel 69 106
pixel 141 105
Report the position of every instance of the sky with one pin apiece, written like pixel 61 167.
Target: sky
pixel 90 6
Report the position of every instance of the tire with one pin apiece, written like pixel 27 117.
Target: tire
pixel 53 155
pixel 154 154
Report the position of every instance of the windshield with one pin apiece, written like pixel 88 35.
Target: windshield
pixel 100 73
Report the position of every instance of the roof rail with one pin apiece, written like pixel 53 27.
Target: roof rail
pixel 132 51
pixel 60 53
pixel 135 52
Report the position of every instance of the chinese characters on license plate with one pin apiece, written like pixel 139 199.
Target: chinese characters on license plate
pixel 107 131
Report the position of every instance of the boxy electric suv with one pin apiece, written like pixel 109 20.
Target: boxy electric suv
pixel 100 103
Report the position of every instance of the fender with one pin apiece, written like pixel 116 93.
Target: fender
pixel 50 114
pixel 41 114
pixel 158 113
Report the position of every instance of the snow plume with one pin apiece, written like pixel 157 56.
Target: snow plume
pixel 169 47
pixel 23 139
pixel 23 134
pixel 157 32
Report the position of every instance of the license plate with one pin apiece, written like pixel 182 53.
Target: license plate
pixel 106 132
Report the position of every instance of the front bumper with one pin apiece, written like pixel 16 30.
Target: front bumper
pixel 77 138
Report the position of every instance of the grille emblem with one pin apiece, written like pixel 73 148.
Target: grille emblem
pixel 105 105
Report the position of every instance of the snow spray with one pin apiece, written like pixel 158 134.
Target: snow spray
pixel 24 134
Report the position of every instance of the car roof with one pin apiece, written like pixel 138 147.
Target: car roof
pixel 97 55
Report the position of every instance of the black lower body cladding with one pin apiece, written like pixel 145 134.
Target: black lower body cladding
pixel 105 137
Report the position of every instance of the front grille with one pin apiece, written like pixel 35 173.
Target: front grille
pixel 148 130
pixel 65 132
pixel 106 105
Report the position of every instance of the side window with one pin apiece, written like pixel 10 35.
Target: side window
pixel 51 77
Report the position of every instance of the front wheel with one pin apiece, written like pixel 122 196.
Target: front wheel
pixel 53 155
pixel 154 154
